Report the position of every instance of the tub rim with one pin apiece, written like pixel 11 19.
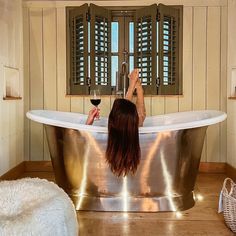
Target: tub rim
pixel 37 116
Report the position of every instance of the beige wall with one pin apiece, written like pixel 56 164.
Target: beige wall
pixel 204 69
pixel 11 112
pixel 231 104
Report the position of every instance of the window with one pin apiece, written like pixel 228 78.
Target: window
pixel 101 42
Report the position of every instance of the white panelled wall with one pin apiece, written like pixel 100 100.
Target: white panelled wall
pixel 204 69
pixel 11 111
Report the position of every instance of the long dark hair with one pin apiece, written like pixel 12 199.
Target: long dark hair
pixel 123 150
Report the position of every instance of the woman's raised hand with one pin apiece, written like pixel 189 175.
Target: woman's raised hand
pixel 133 78
pixel 134 82
pixel 94 113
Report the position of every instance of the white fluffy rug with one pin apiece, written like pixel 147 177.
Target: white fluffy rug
pixel 33 206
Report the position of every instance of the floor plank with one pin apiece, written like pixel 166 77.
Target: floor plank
pixel 202 219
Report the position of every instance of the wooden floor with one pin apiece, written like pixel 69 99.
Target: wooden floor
pixel 202 219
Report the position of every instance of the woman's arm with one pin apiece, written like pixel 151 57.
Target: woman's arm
pixel 133 77
pixel 140 103
pixel 134 82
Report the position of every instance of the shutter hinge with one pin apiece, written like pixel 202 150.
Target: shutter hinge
pixel 88 16
pixel 158 82
pixel 88 81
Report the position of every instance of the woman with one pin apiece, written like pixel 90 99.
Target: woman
pixel 123 150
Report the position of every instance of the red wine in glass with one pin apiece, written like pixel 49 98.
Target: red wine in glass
pixel 95 98
pixel 95 101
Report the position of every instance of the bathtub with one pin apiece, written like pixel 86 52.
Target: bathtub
pixel 171 147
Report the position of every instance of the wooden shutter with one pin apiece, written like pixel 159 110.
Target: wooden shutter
pixel 100 23
pixel 168 50
pixel 77 46
pixel 145 50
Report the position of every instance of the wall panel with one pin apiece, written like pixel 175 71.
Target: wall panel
pixel 49 66
pixel 213 80
pixel 213 58
pixel 36 80
pixel 105 106
pixel 223 83
pixel 199 62
pixel 147 102
pixel 171 104
pixel 157 105
pixel 185 102
pixel 77 104
pixel 63 102
pixel 49 58
pixel 199 57
pixel 26 45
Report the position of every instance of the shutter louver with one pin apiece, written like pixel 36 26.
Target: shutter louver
pixel 169 50
pixel 78 43
pixel 145 47
pixel 100 49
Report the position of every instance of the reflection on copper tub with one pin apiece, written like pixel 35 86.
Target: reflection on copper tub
pixel 171 147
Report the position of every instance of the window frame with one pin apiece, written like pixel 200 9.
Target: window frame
pixel 109 90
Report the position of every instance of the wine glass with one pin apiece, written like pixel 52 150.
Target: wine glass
pixel 95 97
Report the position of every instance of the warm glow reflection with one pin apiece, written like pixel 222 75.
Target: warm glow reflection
pixel 168 181
pixel 84 179
pixel 125 224
pixel 199 197
pixel 147 166
pixel 151 155
pixel 89 139
pixel 167 176
pixel 93 143
pixel 178 215
pixel 125 215
pixel 125 195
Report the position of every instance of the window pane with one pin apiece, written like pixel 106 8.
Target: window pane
pixel 88 36
pixel 131 37
pixel 114 36
pixel 131 63
pixel 114 69
pixel 157 35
